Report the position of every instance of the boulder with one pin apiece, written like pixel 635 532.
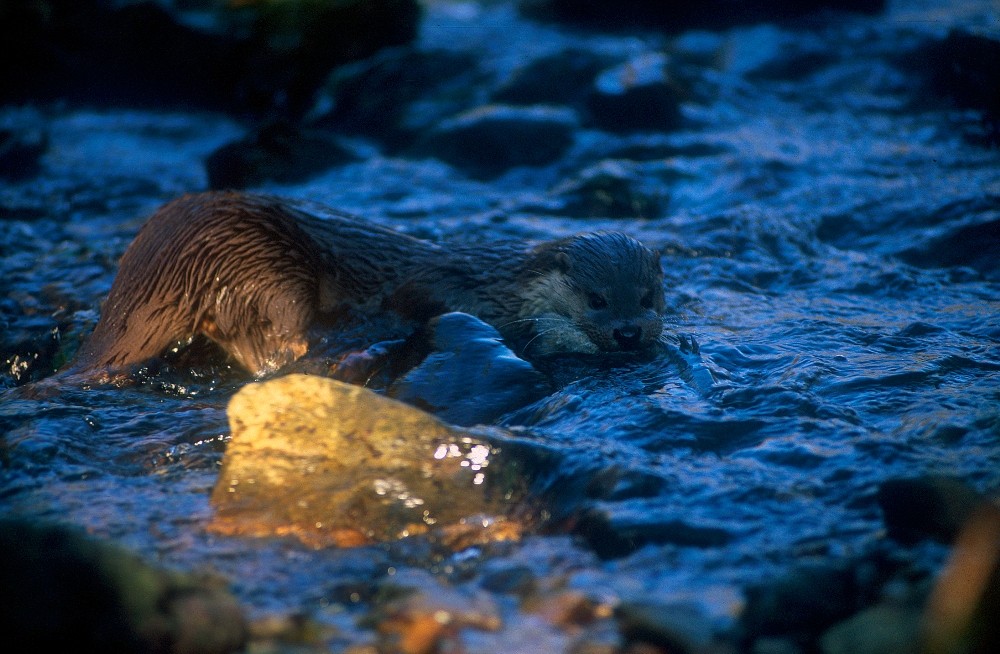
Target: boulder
pixel 335 464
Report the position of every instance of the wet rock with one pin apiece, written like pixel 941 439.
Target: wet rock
pixel 675 627
pixel 881 629
pixel 606 190
pixel 559 79
pixel 470 377
pixel 961 613
pixel 336 464
pixel 801 604
pixel 424 615
pixel 926 507
pixel 680 16
pixel 490 140
pixel 252 58
pixel 278 152
pixel 616 483
pixel 639 95
pixel 20 153
pixel 974 246
pixel 384 97
pixel 616 531
pixel 962 67
pixel 65 592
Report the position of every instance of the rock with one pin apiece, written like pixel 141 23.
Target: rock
pixel 675 627
pixel 638 95
pixel 251 58
pixel 278 152
pixel 801 604
pixel 961 67
pixel 65 592
pixel 424 615
pixel 384 97
pixel 606 190
pixel 881 629
pixel 680 16
pixel 973 246
pixel 471 377
pixel 614 531
pixel 558 79
pixel 336 464
pixel 927 507
pixel 20 153
pixel 961 613
pixel 490 140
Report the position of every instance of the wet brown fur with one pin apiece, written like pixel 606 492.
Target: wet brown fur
pixel 256 273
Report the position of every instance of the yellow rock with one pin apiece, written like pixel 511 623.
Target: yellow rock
pixel 337 464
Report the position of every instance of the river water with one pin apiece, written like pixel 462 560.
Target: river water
pixel 816 236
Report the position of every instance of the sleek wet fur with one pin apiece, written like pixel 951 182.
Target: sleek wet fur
pixel 257 274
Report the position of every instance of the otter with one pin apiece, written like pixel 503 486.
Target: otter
pixel 259 274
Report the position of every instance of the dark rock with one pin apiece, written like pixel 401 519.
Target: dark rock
pixel 64 592
pixel 676 627
pixel 801 604
pixel 561 78
pixel 927 507
pixel 636 96
pixel 490 140
pixel 616 483
pixel 676 16
pixel 973 246
pixel 607 191
pixel 471 377
pixel 20 153
pixel 963 68
pixel 374 97
pixel 881 629
pixel 254 59
pixel 278 152
pixel 514 580
pixel 614 532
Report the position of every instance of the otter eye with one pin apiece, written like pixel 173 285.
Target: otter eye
pixel 596 301
pixel 646 301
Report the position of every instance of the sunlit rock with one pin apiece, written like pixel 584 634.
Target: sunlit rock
pixel 337 464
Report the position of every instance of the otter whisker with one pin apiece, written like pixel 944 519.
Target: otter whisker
pixel 524 350
pixel 559 320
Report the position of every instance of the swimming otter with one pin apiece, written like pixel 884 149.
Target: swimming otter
pixel 256 274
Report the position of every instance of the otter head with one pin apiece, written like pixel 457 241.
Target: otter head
pixel 600 292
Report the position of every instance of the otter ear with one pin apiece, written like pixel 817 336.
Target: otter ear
pixel 563 261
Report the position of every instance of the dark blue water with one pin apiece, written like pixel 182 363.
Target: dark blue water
pixel 812 238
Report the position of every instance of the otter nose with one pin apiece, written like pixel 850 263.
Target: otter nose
pixel 628 336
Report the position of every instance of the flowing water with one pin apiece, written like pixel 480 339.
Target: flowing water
pixel 818 243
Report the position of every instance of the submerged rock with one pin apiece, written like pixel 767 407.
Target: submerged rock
pixel 562 78
pixel 386 97
pixel 490 140
pixel 279 152
pixel 638 95
pixel 336 464
pixel 615 531
pixel 65 592
pixel 606 190
pixel 20 152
